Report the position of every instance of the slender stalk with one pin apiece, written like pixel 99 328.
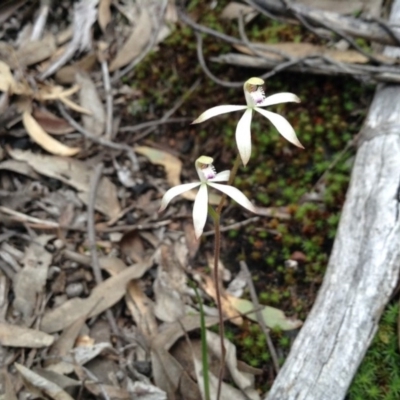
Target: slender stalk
pixel 204 348
pixel 217 249
pixel 216 215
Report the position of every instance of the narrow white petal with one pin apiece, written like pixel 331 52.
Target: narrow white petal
pixel 221 177
pixel 200 210
pixel 175 191
pixel 212 112
pixel 236 195
pixel 279 98
pixel 283 126
pixel 243 138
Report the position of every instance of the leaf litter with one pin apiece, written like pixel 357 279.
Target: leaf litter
pixel 65 334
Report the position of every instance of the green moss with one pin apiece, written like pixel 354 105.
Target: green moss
pixel 378 377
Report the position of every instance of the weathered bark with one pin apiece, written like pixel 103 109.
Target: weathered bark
pixel 317 64
pixel 356 27
pixel 364 265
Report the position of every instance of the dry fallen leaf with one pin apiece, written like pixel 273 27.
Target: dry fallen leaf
pixel 104 14
pixel 18 336
pixel 90 100
pixel 64 343
pixel 50 122
pixel 103 296
pixel 146 391
pixel 227 308
pixel 8 387
pixel 131 245
pixel 37 133
pixel 74 173
pixel 169 286
pixel 40 386
pixel 136 42
pixel 172 164
pixel 273 317
pixel 171 377
pixel 7 82
pixel 243 380
pixel 66 75
pixel 30 281
pixel 19 167
pixel 168 374
pixel 47 93
pixel 141 308
pixel 33 52
pixel 234 10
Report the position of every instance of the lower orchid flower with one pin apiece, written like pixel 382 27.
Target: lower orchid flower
pixel 208 177
pixel 255 98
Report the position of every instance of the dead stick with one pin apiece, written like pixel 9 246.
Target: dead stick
pixel 260 318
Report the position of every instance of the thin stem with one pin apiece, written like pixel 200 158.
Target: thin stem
pixel 216 215
pixel 204 348
pixel 217 249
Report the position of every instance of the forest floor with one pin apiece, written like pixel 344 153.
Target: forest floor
pixel 97 286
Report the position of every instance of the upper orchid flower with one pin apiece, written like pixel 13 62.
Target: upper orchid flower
pixel 208 177
pixel 255 98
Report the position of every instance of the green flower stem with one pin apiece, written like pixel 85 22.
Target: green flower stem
pixel 216 216
pixel 204 348
pixel 217 281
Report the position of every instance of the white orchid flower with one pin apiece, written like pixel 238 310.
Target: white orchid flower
pixel 255 98
pixel 208 177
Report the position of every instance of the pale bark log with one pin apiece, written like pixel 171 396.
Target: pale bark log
pixel 357 27
pixel 363 268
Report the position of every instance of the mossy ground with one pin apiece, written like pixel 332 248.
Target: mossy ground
pixel 278 174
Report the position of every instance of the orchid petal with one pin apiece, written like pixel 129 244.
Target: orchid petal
pixel 212 112
pixel 283 126
pixel 222 176
pixel 279 98
pixel 200 210
pixel 243 138
pixel 236 195
pixel 175 191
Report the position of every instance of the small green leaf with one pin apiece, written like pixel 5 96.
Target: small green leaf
pixel 273 317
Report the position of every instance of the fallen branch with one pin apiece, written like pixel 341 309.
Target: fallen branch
pixel 363 268
pixel 367 28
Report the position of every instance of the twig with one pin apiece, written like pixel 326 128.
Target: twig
pixel 40 23
pixel 260 318
pixel 165 117
pixel 148 124
pixel 20 217
pixel 148 48
pixel 100 140
pixel 207 71
pixel 109 100
pixel 85 14
pixel 91 232
pixel 334 163
pixel 200 28
pixel 94 378
pixel 236 225
pixel 253 47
